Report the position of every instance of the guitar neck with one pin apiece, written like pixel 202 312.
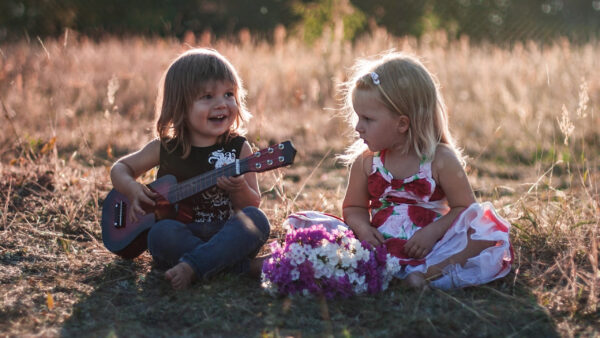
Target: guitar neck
pixel 269 158
pixel 205 181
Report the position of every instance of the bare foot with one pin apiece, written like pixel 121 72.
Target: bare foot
pixel 256 265
pixel 181 276
pixel 416 280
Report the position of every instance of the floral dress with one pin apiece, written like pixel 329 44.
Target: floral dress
pixel 401 207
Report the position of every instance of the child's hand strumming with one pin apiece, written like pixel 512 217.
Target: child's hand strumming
pixel 139 195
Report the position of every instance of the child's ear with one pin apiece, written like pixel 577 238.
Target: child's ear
pixel 403 124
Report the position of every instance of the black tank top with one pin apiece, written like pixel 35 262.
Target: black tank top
pixel 213 204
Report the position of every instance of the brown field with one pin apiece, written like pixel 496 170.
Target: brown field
pixel 526 116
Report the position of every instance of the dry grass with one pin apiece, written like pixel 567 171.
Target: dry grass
pixel 527 117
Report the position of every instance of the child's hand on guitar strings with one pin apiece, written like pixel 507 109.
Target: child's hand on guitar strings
pixel 140 195
pixel 232 184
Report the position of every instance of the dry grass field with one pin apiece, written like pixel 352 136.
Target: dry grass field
pixel 527 117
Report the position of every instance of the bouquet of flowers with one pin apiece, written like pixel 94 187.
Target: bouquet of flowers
pixel 315 261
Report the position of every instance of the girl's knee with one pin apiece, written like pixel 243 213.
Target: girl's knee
pixel 161 233
pixel 259 219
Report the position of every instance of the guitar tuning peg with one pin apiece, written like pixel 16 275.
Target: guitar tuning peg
pixel 280 146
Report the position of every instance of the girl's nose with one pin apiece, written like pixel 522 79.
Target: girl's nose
pixel 359 127
pixel 220 103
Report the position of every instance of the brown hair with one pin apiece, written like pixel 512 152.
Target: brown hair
pixel 180 85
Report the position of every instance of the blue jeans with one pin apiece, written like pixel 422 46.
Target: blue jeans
pixel 210 248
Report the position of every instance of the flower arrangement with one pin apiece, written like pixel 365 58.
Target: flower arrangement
pixel 315 261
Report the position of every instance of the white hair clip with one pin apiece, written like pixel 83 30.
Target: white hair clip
pixel 375 78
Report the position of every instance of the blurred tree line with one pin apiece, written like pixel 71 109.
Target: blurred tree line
pixel 490 20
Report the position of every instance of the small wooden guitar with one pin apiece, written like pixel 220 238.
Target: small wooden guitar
pixel 128 240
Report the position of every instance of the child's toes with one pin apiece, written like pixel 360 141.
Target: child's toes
pixel 416 280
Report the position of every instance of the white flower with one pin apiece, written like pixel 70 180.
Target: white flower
pixel 296 254
pixel 339 273
pixel 392 264
pixel 362 254
pixel 295 274
pixel 347 259
pixel 320 268
pixel 330 251
pixel 360 287
pixel 328 270
pixel 356 278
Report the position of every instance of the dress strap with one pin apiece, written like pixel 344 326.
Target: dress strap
pixel 376 162
pixel 381 154
pixel 425 169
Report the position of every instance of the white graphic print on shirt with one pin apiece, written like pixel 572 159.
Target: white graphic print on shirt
pixel 214 204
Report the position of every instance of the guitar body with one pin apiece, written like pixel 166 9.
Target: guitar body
pixel 128 240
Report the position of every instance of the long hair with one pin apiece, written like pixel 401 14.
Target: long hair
pixel 179 88
pixel 406 87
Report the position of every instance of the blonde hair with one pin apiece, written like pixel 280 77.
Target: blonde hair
pixel 180 85
pixel 406 87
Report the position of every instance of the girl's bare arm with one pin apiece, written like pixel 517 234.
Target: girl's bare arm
pixel 124 172
pixel 355 207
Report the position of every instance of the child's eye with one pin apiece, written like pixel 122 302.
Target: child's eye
pixel 205 96
pixel 229 94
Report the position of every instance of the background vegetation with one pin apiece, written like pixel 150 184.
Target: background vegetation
pixel 526 114
pixel 491 20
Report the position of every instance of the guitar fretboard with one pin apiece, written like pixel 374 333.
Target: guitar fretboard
pixel 207 180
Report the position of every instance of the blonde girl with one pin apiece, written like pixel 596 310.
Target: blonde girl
pixel 201 117
pixel 407 187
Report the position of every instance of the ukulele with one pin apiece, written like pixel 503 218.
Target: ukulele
pixel 129 240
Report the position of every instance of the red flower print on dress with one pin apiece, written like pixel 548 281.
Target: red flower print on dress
pixel 420 187
pixel 420 216
pixel 376 185
pixel 395 247
pixel 375 203
pixel 438 194
pixel 381 216
pixel 397 184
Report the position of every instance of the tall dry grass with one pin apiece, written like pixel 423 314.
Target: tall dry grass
pixel 527 117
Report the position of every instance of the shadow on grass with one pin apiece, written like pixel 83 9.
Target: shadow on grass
pixel 132 299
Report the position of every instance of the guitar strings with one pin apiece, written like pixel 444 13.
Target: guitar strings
pixel 211 176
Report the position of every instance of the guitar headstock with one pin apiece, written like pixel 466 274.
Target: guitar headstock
pixel 273 157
